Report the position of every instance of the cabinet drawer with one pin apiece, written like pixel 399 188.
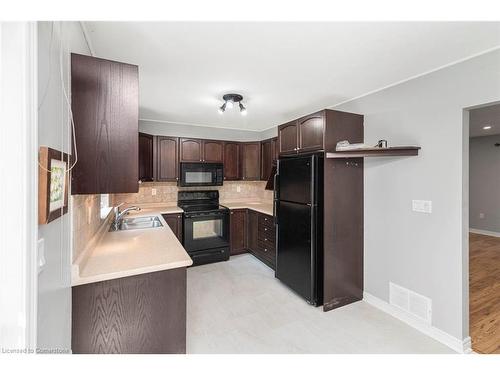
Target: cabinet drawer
pixel 266 238
pixel 268 230
pixel 266 255
pixel 266 220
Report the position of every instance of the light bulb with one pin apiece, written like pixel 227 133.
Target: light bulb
pixel 243 110
pixel 229 104
pixel 222 108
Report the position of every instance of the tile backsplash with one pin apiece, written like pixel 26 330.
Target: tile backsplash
pixel 86 211
pixel 166 192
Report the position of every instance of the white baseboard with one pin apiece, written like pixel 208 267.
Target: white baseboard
pixel 460 346
pixel 484 232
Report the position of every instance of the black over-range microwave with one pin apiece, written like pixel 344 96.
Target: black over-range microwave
pixel 201 174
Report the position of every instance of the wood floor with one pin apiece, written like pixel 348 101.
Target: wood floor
pixel 484 289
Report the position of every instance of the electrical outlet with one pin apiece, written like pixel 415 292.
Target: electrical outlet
pixel 422 206
pixel 153 191
pixel 238 188
pixel 481 215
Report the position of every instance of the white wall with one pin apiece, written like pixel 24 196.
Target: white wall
pixel 484 166
pixel 54 283
pixel 423 252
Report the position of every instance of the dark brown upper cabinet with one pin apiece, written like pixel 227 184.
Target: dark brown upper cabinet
pixel 319 131
pixel 287 138
pixel 146 157
pixel 310 131
pixel 191 149
pixel 275 148
pixel 250 161
pixel 105 106
pixel 213 151
pixel 204 150
pixel 167 159
pixel 231 161
pixel 266 159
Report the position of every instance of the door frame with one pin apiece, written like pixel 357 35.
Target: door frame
pixel 18 253
pixel 465 222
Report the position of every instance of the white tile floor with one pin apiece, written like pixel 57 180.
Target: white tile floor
pixel 239 307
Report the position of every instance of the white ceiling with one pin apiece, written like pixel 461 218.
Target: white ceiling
pixel 284 70
pixel 485 116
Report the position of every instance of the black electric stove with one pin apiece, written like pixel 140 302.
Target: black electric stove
pixel 206 226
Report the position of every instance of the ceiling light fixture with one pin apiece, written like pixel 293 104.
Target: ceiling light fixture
pixel 230 100
pixel 487 127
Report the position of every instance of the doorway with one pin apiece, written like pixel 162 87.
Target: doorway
pixel 484 228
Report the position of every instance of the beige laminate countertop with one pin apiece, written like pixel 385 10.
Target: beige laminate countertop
pixel 262 207
pixel 132 252
pixel 138 251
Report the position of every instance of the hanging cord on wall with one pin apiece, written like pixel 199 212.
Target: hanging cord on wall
pixel 46 90
pixel 65 94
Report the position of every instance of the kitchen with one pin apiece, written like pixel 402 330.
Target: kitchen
pixel 284 206
pixel 211 204
pixel 193 193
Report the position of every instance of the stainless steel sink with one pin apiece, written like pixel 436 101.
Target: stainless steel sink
pixel 138 223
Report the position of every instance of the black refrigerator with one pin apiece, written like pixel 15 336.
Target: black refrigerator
pixel 298 207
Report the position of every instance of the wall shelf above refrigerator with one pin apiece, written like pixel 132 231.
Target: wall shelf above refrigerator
pixel 375 151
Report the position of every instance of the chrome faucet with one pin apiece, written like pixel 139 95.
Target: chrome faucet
pixel 119 214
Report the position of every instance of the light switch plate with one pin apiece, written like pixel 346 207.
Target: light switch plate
pixel 153 191
pixel 422 206
pixel 481 215
pixel 41 255
pixel 238 189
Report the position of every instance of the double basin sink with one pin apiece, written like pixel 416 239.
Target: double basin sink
pixel 137 223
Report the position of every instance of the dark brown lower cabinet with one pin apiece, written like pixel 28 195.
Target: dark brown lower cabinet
pixel 137 314
pixel 261 237
pixel 238 235
pixel 174 221
pixel 252 229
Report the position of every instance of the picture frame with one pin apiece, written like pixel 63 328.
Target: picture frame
pixel 53 184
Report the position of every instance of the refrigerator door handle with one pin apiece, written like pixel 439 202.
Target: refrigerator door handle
pixel 314 257
pixel 276 188
pixel 275 201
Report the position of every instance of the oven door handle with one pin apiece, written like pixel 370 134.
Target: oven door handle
pixel 207 215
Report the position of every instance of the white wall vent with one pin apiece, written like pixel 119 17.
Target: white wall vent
pixel 411 302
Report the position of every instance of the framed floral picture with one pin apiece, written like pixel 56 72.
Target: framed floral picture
pixel 53 184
